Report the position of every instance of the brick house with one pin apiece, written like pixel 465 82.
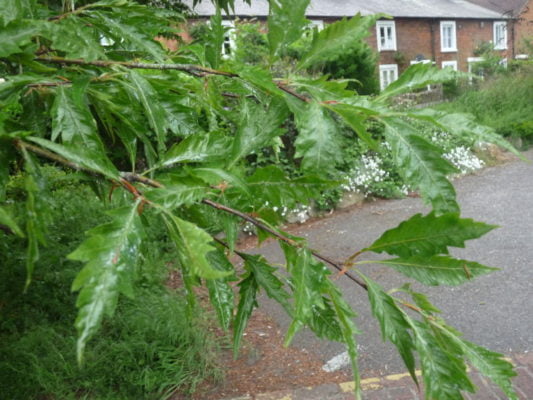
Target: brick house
pixel 520 13
pixel 444 32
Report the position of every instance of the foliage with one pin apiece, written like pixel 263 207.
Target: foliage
pixel 504 103
pixel 172 133
pixel 38 352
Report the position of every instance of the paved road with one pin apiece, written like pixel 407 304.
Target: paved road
pixel 495 311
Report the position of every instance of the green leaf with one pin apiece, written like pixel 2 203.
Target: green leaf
pixel 345 315
pixel 429 235
pixel 464 126
pixel 438 270
pixel 336 38
pixel 14 37
pixel 264 274
pixel 216 176
pixel 143 91
pixel 111 252
pixel 247 301
pixel 418 76
pixel 11 10
pixel 193 244
pixel 177 191
pixel 91 160
pixel 37 212
pixel 270 184
pixel 257 127
pixel 130 33
pixel 443 371
pixel 394 326
pixel 214 40
pixel 197 148
pixel 286 22
pixel 7 220
pixel 220 291
pixel 308 278
pixel 422 166
pixel 318 138
pixel 353 118
pixel 490 364
pixel 72 36
pixel 72 119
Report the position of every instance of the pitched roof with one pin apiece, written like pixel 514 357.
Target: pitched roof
pixel 340 8
pixel 505 7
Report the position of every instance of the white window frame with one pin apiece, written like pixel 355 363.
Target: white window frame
pixel 229 38
pixel 387 68
pixel 500 44
pixel 450 64
pixel 444 46
pixel 390 44
pixel 316 23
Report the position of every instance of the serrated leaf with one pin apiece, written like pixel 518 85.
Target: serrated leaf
pixel 286 22
pixel 37 212
pixel 422 166
pixel 72 36
pixel 318 138
pixel 177 191
pixel 193 244
pixel 464 126
pixel 247 301
pixel 91 160
pixel 394 326
pixel 353 118
pixel 345 316
pixel 7 220
pixel 143 91
pixel 15 36
pixel 308 278
pixel 264 274
pixel 11 10
pixel 490 364
pixel 197 148
pixel 429 235
pixel 131 34
pixel 257 127
pixel 270 184
pixel 214 40
pixel 72 119
pixel 418 76
pixel 444 372
pixel 258 77
pixel 217 176
pixel 336 38
pixel 220 291
pixel 438 270
pixel 110 253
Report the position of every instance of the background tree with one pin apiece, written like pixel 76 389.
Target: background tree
pixel 90 90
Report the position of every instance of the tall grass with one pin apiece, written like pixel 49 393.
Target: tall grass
pixel 146 351
pixel 504 102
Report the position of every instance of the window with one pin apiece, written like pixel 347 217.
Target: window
pixel 386 35
pixel 448 37
pixel 450 64
pixel 317 23
pixel 500 35
pixel 229 40
pixel 388 73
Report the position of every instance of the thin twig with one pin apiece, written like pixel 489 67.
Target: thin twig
pixel 132 177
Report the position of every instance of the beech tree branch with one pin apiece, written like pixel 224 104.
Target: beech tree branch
pixel 192 69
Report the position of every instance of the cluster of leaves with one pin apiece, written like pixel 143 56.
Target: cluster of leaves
pixel 175 131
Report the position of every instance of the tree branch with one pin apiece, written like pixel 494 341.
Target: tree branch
pixel 132 177
pixel 196 70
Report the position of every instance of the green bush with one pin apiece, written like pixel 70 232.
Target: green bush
pixel 146 351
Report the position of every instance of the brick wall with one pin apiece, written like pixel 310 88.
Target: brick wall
pixel 421 37
pixel 524 28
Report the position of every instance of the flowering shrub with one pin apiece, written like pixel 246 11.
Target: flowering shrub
pixel 464 160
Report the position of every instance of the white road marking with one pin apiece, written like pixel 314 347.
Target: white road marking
pixel 337 362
